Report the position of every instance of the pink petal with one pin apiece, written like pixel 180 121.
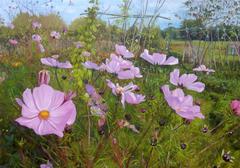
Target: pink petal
pixel 32 123
pixel 43 96
pixel 57 100
pixel 147 57
pixel 197 86
pixel 171 61
pixel 19 102
pixel 174 77
pixel 66 65
pixel 159 58
pixel 49 61
pixel 28 99
pixel 65 114
pixel 128 74
pixel 45 128
pixel 28 112
pixel 187 79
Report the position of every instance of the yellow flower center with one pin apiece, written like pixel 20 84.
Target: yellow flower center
pixel 44 115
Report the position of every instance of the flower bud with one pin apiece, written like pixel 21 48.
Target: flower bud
pixel 43 77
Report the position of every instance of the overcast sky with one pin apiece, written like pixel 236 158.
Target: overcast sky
pixel 69 12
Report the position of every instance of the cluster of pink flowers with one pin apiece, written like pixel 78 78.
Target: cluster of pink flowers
pixel 124 69
pixel 181 104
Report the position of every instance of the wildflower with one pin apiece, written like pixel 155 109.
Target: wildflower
pixel 158 59
pixel 203 68
pixel 122 50
pixel 45 111
pixel 43 77
pixel 126 93
pixel 186 80
pixel 55 63
pixel 37 38
pixel 36 25
pixel 13 42
pixel 235 106
pixel 181 104
pixel 55 35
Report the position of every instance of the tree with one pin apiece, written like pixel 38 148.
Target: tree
pixel 215 12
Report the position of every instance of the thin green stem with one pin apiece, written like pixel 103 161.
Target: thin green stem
pixel 56 77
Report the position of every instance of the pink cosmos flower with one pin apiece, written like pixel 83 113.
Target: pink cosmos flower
pixel 55 35
pixel 43 77
pixel 13 42
pixel 158 59
pixel 181 104
pixel 55 63
pixel 186 80
pixel 45 111
pixel 48 165
pixel 203 68
pixel 126 93
pixel 36 25
pixel 235 106
pixel 122 50
pixel 37 38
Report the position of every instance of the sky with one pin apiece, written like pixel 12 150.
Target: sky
pixel 71 9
